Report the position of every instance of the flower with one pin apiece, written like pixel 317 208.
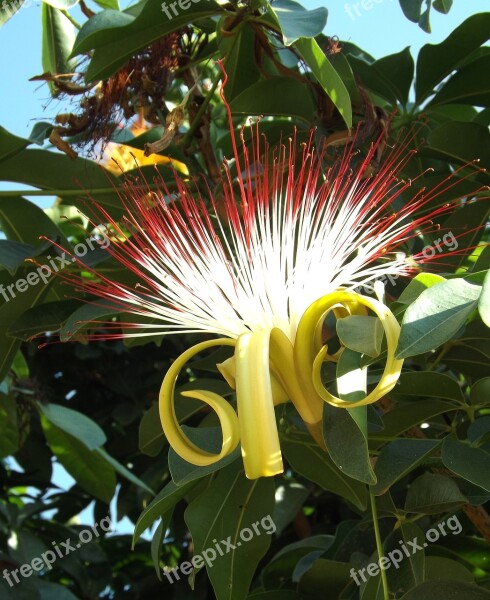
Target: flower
pixel 262 265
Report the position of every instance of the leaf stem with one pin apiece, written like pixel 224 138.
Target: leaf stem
pixel 379 544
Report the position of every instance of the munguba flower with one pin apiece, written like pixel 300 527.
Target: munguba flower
pixel 286 243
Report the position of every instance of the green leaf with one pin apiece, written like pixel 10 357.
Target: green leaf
pixel 226 510
pixel 405 416
pixel 418 285
pixel 390 77
pixel 363 334
pixel 58 38
pixel 467 462
pixel 75 423
pixel 164 502
pixel 314 464
pixel 428 384
pixel 411 570
pixel 240 67
pixel 326 76
pixel 297 22
pixel 345 433
pixel 274 595
pixel 399 458
pixel 101 29
pixel 325 574
pixel 280 96
pixel 283 564
pixel 156 543
pixel 55 171
pixel 9 440
pixel 151 436
pixel 460 142
pixel 62 4
pixel 436 61
pixel 112 4
pixel 13 254
pixel 53 591
pixel 443 6
pixel 41 319
pixel 89 469
pixel 126 473
pixel 432 493
pixel 484 303
pixel 10 144
pixel 479 430
pixel 445 590
pixel 10 310
pixel 290 497
pixel 87 313
pixel 436 316
pixel 23 221
pixel 440 567
pixel 466 86
pixel 210 440
pixel 114 45
pixel 480 392
pixel 8 10
pixel 412 9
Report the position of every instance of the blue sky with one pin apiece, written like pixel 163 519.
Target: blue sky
pixel 381 30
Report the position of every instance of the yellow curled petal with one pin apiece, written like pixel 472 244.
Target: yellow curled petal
pixel 309 406
pixel 308 361
pixel 257 421
pixel 228 370
pixel 227 416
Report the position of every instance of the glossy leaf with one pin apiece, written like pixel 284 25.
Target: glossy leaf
pixel 352 458
pixel 14 303
pixel 432 493
pixel 361 333
pixel 399 458
pixel 160 506
pixel 75 423
pixel 226 510
pixel 278 96
pixel 9 440
pixel 437 61
pixel 207 438
pixel 58 39
pixel 484 303
pixel 314 464
pixel 411 570
pixel 46 317
pixel 297 22
pixel 466 86
pixel 115 45
pixel 467 462
pixel 92 472
pixel 442 590
pixel 435 316
pixel 428 384
pixel 326 76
